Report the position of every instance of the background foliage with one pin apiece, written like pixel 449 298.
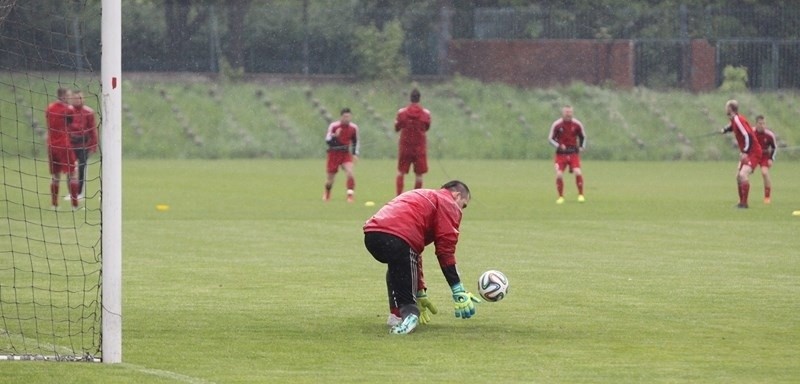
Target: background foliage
pixel 378 53
pixel 319 36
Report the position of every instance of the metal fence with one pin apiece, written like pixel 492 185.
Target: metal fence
pixel 660 50
pixel 771 63
pixel 285 37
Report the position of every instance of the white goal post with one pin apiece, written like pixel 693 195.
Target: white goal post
pixel 60 261
pixel 111 180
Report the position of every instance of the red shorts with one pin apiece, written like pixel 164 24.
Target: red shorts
pixel 420 161
pixel 336 159
pixel 764 162
pixel 571 160
pixel 752 160
pixel 62 159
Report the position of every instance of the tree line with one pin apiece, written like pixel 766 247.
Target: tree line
pixel 338 36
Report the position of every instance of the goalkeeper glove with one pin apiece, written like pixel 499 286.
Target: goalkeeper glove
pixel 425 306
pixel 464 307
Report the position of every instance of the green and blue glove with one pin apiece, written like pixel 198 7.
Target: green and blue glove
pixel 425 306
pixel 464 301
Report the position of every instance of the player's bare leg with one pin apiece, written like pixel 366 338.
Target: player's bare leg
pixel 767 185
pixel 351 181
pixel 326 196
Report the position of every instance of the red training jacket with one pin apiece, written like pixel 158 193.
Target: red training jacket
pixel 347 140
pixel 769 147
pixel 413 122
pixel 57 114
pixel 745 136
pixel 83 126
pixel 421 217
pixel 568 133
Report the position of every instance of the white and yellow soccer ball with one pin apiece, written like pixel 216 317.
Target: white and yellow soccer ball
pixel 493 285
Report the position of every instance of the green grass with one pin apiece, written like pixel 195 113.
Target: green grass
pixel 250 278
pixel 199 118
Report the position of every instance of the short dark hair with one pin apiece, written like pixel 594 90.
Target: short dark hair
pixel 61 92
pixel 415 95
pixel 457 186
pixel 344 110
pixel 759 117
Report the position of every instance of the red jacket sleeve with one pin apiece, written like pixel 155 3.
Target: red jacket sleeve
pixel 91 125
pixel 401 121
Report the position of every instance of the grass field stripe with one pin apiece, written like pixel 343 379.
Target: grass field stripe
pixel 166 374
pixel 64 353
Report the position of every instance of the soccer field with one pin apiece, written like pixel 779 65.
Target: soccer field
pixel 250 278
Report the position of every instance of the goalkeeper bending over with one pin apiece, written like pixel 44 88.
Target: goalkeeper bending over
pixel 398 233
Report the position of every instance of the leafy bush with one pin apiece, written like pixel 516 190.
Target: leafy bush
pixel 229 73
pixel 734 79
pixel 379 54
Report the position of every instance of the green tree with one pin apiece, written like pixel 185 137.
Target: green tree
pixel 734 79
pixel 236 12
pixel 184 19
pixel 379 54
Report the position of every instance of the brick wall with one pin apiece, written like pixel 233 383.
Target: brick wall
pixel 544 63
pixel 703 69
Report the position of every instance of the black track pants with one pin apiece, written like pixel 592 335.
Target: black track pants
pixel 401 275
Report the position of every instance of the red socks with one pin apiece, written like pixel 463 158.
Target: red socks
pixel 74 190
pixel 398 184
pixel 744 191
pixel 560 187
pixel 54 193
pixel 579 183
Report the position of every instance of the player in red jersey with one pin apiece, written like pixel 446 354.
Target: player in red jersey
pixel 82 135
pixel 413 123
pixel 750 150
pixel 769 148
pixel 59 150
pixel 342 140
pixel 398 233
pixel 569 137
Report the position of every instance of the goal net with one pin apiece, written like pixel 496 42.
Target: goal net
pixel 50 251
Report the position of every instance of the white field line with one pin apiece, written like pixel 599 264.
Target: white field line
pixel 166 374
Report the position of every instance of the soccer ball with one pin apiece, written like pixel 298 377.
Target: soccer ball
pixel 493 285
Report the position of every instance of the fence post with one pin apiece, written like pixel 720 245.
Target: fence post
pixel 445 35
